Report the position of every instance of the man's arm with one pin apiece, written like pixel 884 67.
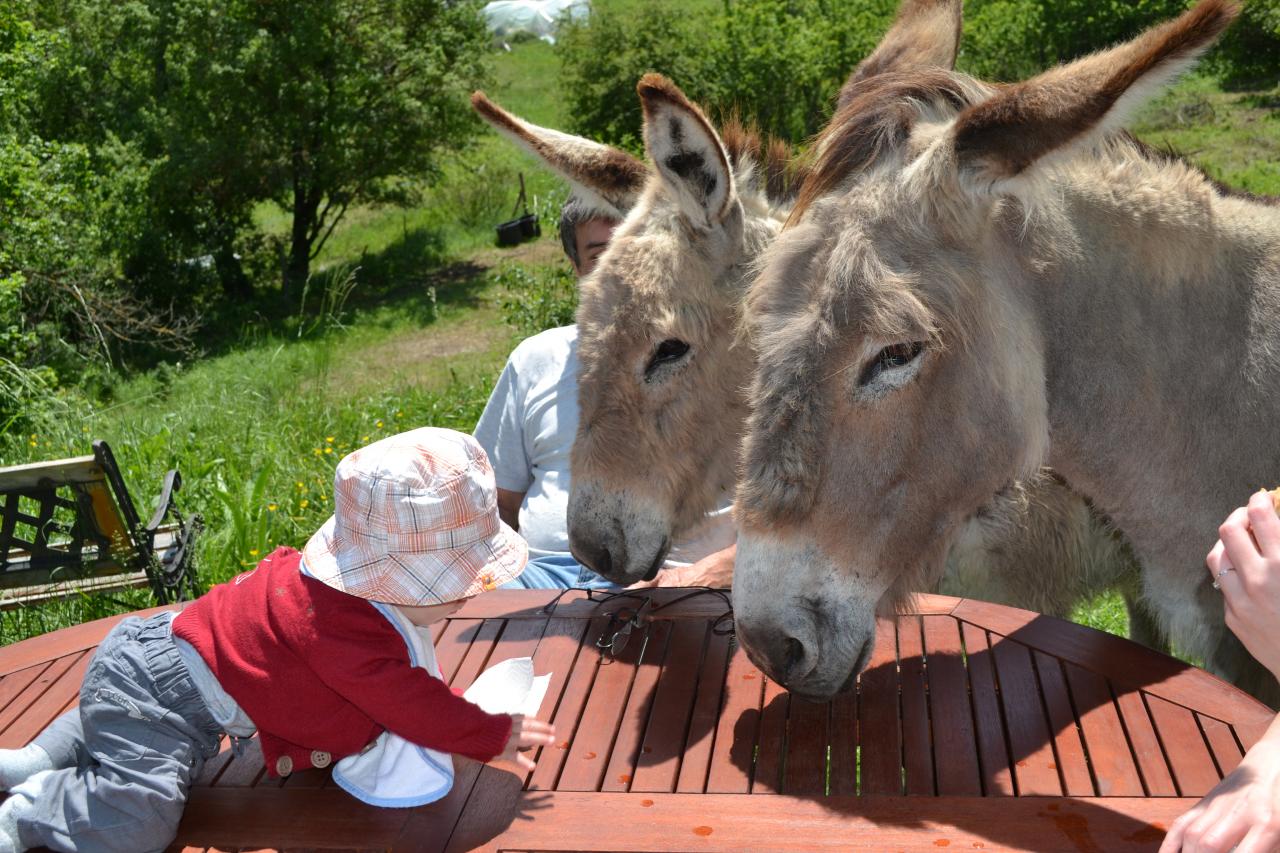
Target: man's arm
pixel 509 507
pixel 714 570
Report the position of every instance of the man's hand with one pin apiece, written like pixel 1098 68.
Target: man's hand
pixel 1246 565
pixel 526 734
pixel 1241 813
pixel 714 570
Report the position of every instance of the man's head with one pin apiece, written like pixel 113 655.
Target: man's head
pixel 585 233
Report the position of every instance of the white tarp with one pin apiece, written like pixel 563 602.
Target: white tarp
pixel 539 17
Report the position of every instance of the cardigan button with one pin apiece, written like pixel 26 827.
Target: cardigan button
pixel 320 759
pixel 284 765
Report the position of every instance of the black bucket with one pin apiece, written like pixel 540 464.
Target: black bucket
pixel 526 227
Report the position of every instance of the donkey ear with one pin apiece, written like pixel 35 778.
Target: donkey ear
pixel 926 34
pixel 687 151
pixel 609 178
pixel 1077 104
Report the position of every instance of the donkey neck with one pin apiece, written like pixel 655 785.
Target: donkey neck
pixel 1158 303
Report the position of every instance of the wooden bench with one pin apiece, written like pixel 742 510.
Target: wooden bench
pixel 70 526
pixel 976 727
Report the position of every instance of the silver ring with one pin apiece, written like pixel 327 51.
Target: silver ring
pixel 1216 584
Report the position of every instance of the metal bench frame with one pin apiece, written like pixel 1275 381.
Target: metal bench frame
pixel 105 546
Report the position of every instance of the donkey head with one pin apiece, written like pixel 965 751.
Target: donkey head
pixel 660 392
pixel 901 379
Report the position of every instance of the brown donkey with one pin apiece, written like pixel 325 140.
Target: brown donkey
pixel 981 281
pixel 662 390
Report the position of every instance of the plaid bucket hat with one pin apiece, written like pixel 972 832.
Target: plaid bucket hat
pixel 415 522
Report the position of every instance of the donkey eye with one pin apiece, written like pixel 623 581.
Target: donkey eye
pixel 669 351
pixel 898 355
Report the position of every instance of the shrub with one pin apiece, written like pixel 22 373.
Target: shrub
pixel 539 298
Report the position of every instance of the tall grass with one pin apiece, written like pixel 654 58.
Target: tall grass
pixel 256 435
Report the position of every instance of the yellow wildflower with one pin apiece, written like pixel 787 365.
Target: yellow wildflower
pixel 304 503
pixel 378 424
pixel 399 414
pixel 271 507
pixel 328 450
pixel 328 439
pixel 253 552
pixel 300 486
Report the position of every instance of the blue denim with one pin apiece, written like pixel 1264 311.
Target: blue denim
pixel 558 571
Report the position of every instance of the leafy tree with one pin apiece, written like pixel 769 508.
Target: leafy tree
pixel 313 104
pixel 603 57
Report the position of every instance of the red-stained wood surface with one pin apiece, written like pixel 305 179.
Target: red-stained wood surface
pixel 973 727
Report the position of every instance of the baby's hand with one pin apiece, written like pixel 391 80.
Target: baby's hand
pixel 526 734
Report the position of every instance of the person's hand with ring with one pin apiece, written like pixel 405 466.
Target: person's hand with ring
pixel 1245 565
pixel 1242 812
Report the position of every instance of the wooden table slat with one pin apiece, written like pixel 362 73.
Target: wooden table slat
pixel 1073 767
pixel 695 765
pixel 771 748
pixel 519 638
pixel 13 684
pixel 1188 754
pixel 1127 665
pixel 1157 780
pixel 955 746
pixel 808 734
pixel 658 764
pixel 1222 743
pixel 656 823
pixel 879 734
pixel 556 654
pixel 988 718
pixel 41 700
pixel 573 699
pixel 844 745
pixel 593 741
pixel 1115 774
pixel 1035 766
pixel 917 738
pixel 625 752
pixel 738 729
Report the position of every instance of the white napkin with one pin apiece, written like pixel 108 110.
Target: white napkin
pixel 509 687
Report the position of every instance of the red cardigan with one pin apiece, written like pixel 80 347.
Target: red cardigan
pixel 318 670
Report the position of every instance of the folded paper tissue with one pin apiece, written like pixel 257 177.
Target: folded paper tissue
pixel 509 687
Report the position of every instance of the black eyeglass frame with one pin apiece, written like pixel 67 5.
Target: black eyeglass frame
pixel 722 626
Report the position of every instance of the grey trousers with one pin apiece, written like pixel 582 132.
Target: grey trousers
pixel 130 751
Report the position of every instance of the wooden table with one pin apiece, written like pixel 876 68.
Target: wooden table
pixel 975 727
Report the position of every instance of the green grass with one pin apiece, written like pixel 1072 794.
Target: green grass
pixel 1233 136
pixel 257 433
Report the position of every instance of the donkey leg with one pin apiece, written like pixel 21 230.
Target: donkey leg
pixel 1144 628
pixel 1230 661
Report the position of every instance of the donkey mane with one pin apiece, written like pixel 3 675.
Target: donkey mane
pixel 770 157
pixel 876 115
pixel 1168 155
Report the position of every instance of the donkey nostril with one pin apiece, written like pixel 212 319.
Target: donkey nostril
pixel 793 654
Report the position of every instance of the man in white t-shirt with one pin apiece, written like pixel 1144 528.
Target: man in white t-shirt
pixel 528 428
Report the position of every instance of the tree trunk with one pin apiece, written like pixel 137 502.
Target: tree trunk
pixel 298 267
pixel 235 284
